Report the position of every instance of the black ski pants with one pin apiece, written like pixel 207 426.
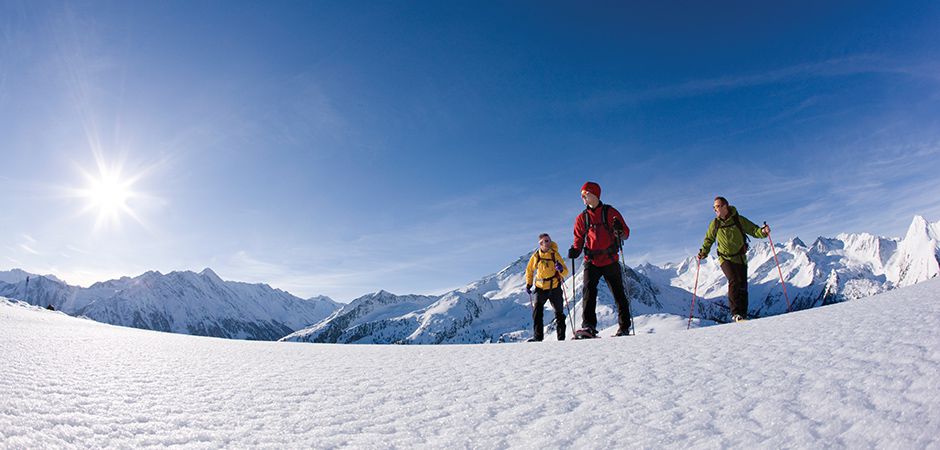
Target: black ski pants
pixel 553 296
pixel 737 287
pixel 614 278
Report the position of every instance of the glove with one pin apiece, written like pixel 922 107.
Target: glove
pixel 702 255
pixel 574 252
pixel 558 267
pixel 528 289
pixel 618 227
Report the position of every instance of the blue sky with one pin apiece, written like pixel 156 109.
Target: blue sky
pixel 339 148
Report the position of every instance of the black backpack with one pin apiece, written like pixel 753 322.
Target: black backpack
pixel 614 239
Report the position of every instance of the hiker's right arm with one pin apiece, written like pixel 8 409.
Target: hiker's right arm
pixel 530 269
pixel 579 233
pixel 709 240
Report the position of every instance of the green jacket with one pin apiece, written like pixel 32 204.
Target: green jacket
pixel 730 239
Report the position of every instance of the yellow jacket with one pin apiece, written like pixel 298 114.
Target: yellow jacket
pixel 542 268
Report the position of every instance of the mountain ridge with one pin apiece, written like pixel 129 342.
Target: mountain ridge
pixel 831 270
pixel 180 302
pixel 495 307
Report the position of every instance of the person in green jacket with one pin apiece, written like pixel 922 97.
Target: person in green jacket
pixel 729 229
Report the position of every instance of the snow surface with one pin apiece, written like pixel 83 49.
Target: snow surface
pixel 858 374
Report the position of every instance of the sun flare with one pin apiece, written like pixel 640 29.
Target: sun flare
pixel 109 193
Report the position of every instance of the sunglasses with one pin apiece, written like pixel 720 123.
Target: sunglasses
pixel 545 241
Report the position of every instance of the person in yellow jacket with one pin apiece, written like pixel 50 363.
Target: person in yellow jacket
pixel 546 270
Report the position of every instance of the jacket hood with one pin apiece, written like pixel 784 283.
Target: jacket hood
pixel 732 211
pixel 554 248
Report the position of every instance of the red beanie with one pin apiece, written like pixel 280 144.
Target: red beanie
pixel 592 187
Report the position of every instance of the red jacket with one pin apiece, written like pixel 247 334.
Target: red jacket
pixel 598 240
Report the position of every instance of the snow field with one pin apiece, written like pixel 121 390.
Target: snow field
pixel 859 374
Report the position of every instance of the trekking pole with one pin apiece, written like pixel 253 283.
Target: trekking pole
pixel 567 303
pixel 623 277
pixel 532 314
pixel 698 264
pixel 782 283
pixel 574 271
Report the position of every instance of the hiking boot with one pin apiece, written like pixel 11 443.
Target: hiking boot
pixel 622 333
pixel 738 318
pixel 586 333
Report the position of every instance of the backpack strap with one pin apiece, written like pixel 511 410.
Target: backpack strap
pixel 604 218
pixel 538 254
pixel 737 221
pixel 736 224
pixel 614 246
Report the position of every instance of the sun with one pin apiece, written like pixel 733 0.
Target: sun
pixel 110 194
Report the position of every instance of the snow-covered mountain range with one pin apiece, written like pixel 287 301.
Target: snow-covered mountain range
pixel 830 270
pixel 179 302
pixel 497 309
pixel 17 275
pixel 493 309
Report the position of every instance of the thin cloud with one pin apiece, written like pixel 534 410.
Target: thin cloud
pixel 29 249
pixel 78 250
pixel 244 267
pixel 485 196
pixel 254 267
pixel 831 68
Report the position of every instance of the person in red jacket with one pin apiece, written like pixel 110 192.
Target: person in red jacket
pixel 598 230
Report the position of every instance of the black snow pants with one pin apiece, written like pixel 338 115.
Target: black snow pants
pixel 614 279
pixel 737 287
pixel 554 297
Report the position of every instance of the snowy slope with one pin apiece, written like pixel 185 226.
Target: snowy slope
pixel 862 374
pixel 181 302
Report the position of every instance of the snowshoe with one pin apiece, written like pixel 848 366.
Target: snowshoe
pixel 585 333
pixel 622 333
